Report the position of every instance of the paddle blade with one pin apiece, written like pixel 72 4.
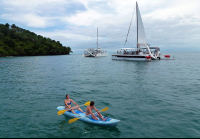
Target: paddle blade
pixel 73 120
pixel 87 103
pixel 105 109
pixel 61 112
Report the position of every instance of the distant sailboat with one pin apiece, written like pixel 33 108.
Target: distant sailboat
pixel 142 52
pixel 92 52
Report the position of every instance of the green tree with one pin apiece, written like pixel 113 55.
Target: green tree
pixel 20 42
pixel 13 26
pixel 7 25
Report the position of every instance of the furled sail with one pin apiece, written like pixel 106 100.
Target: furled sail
pixel 141 37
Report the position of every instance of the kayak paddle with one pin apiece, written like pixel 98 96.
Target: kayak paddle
pixel 63 111
pixel 75 119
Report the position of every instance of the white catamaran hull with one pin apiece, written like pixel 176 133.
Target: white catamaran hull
pixel 129 57
pixel 96 55
pixel 103 54
pixel 89 55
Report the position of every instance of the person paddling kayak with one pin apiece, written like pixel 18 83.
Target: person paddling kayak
pixel 91 115
pixel 68 105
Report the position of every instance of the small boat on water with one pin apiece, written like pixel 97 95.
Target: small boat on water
pixel 143 51
pixel 93 52
pixel 108 122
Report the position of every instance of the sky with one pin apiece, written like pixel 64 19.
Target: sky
pixel 172 25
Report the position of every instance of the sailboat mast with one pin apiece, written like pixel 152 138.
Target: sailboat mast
pixel 97 37
pixel 137 22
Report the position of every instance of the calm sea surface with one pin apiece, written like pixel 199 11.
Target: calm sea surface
pixel 152 99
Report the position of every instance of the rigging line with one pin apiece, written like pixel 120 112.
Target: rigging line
pixel 129 44
pixel 129 27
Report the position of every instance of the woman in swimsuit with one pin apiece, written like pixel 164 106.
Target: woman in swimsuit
pixel 68 105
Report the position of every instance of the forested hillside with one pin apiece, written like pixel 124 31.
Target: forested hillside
pixel 15 41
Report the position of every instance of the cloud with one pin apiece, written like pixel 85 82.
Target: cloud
pixel 38 14
pixel 167 23
pixel 31 20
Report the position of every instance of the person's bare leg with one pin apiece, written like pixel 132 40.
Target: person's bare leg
pixel 73 112
pixel 100 116
pixel 81 110
pixel 94 117
pixel 78 107
pixel 105 119
pixel 75 107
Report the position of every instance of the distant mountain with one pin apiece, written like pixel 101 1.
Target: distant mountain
pixel 15 41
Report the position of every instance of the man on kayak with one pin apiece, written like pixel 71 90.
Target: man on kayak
pixel 68 105
pixel 89 113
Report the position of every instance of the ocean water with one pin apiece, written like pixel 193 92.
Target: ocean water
pixel 152 99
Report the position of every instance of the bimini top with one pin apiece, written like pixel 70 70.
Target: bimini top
pixel 140 48
pixel 133 48
pixel 154 48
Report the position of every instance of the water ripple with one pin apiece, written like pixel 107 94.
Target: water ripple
pixel 152 99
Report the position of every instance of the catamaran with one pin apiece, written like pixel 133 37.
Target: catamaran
pixel 92 52
pixel 143 51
